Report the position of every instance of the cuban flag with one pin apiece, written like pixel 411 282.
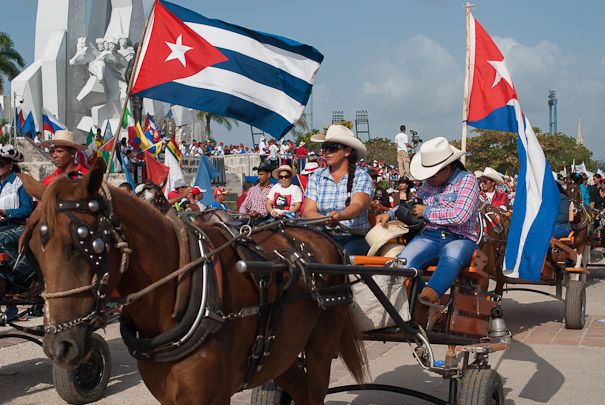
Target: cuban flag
pixel 493 104
pixel 213 66
pixel 155 131
pixel 50 124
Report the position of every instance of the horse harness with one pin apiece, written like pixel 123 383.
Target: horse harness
pixel 203 315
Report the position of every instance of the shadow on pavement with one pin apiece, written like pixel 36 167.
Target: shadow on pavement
pixel 521 317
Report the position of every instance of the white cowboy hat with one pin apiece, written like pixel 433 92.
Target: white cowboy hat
pixel 433 156
pixel 340 134
pixel 310 167
pixel 390 250
pixel 556 177
pixel 378 236
pixel 490 174
pixel 63 138
pixel 283 168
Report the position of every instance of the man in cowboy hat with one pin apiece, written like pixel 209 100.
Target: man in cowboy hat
pixel 255 203
pixel 450 204
pixel 63 149
pixel 381 196
pixel 489 179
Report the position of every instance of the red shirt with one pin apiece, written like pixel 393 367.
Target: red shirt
pixel 49 179
pixel 240 200
pixel 499 199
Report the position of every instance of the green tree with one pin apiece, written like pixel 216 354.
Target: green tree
pixel 382 149
pixel 498 149
pixel 10 60
pixel 219 119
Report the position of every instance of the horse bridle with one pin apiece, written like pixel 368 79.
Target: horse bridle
pixel 94 245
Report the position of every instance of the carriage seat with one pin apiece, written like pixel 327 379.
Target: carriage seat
pixel 475 270
pixel 568 240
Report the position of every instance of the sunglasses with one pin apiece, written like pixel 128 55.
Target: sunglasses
pixel 283 177
pixel 484 180
pixel 331 147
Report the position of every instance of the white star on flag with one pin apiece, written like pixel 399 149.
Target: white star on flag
pixel 178 50
pixel 501 72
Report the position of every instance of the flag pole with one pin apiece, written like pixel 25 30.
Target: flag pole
pixel 129 89
pixel 466 82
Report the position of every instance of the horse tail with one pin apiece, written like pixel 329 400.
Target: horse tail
pixel 351 349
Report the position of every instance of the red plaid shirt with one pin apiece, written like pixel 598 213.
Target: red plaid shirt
pixel 454 205
pixel 256 200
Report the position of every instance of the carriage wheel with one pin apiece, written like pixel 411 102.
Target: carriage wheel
pixel 270 394
pixel 481 386
pixel 575 304
pixel 86 383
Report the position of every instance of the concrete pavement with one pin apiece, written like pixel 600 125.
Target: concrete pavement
pixel 546 363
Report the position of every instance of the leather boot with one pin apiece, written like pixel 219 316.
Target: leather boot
pixel 422 311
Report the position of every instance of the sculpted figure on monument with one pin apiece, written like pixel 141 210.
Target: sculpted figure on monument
pixel 136 102
pixel 126 48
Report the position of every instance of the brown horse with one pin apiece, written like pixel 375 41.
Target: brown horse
pixel 216 369
pixel 493 232
pixel 582 222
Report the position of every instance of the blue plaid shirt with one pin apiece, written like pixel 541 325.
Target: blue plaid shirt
pixel 331 196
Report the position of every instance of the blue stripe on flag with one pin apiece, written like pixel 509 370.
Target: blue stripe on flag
pixel 222 104
pixel 501 119
pixel 280 42
pixel 265 74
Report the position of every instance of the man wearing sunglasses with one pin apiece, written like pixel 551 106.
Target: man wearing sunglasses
pixel 488 180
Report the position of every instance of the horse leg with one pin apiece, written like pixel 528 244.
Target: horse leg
pixel 295 382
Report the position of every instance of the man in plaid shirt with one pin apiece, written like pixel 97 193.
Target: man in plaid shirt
pixel 256 200
pixel 450 205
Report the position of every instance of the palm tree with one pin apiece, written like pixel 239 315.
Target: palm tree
pixel 219 119
pixel 10 59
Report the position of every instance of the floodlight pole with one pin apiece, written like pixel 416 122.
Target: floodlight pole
pixel 132 75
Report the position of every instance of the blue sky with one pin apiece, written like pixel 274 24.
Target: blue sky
pixel 403 61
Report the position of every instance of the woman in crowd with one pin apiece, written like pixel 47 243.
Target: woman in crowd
pixel 341 190
pixel 450 203
pixel 15 207
pixel 285 198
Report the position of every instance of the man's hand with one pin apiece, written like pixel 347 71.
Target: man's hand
pixel 336 217
pixel 418 210
pixel 382 219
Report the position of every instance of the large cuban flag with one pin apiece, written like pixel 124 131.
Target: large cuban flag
pixel 221 68
pixel 493 105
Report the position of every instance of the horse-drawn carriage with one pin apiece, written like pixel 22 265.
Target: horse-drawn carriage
pixel 83 384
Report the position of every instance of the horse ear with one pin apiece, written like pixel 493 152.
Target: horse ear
pixel 94 177
pixel 32 186
pixel 163 183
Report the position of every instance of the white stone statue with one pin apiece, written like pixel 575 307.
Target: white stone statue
pixel 126 48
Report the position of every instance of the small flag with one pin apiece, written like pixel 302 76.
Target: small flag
pixel 105 150
pixel 50 124
pixel 29 127
pixel 203 178
pixel 156 171
pixel 173 161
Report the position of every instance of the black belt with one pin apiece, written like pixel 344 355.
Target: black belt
pixel 445 233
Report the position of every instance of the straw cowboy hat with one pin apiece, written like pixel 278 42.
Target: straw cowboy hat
pixel 63 138
pixel 283 168
pixel 390 250
pixel 378 236
pixel 343 135
pixel 490 174
pixel 8 151
pixel 433 156
pixel 310 167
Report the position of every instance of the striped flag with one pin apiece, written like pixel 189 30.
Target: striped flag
pixel 493 104
pixel 220 68
pixel 105 150
pixel 172 159
pixel 50 124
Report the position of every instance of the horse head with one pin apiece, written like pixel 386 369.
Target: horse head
pixel 153 194
pixel 70 242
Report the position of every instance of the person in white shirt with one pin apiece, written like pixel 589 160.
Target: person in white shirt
pixel 198 194
pixel 403 157
pixel 273 153
pixel 262 148
pixel 284 198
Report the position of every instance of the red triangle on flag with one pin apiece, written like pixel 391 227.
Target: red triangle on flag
pixel 174 51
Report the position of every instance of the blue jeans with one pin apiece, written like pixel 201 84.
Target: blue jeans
pixel 560 232
pixel 9 240
pixel 353 244
pixel 450 254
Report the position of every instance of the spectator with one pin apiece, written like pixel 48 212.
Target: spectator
pixel 38 138
pixel 273 154
pixel 256 200
pixel 219 196
pixel 181 191
pixel 284 198
pixel 241 198
pixel 262 148
pixel 488 180
pixel 403 157
pixel 126 186
pixel 380 194
pixel 198 195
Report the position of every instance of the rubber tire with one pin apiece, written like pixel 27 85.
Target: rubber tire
pixel 480 386
pixel 270 394
pixel 575 305
pixel 88 382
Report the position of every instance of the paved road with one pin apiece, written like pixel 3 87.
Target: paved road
pixel 546 363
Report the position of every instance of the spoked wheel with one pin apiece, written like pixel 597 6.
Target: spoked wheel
pixel 270 394
pixel 575 304
pixel 480 386
pixel 86 383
